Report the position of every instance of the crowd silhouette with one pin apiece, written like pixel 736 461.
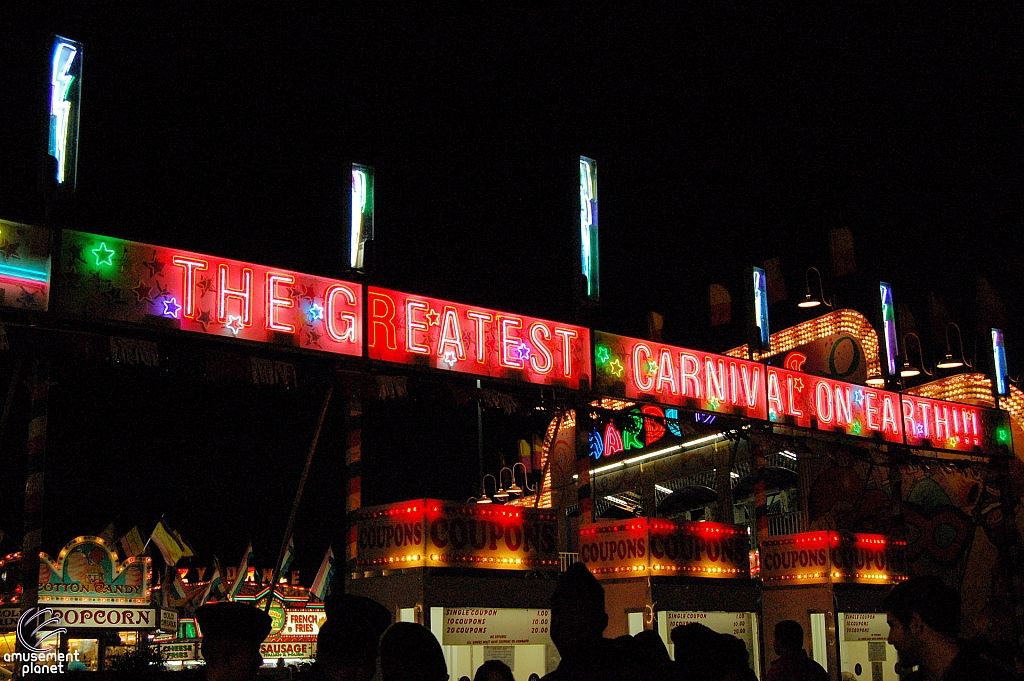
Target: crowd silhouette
pixel 358 638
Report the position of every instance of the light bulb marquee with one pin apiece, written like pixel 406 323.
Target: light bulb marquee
pixel 439 334
pixel 642 547
pixel 644 370
pixel 433 533
pixel 829 556
pixel 165 287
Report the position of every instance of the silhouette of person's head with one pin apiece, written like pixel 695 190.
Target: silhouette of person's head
pixel 493 670
pixel 347 642
pixel 534 677
pixel 789 637
pixel 409 652
pixel 232 634
pixel 697 649
pixel 649 647
pixel 578 619
pixel 921 612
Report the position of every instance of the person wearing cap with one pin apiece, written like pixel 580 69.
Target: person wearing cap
pixel 578 621
pixel 232 634
pixel 348 642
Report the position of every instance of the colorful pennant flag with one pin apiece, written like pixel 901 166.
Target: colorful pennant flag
pixel 243 570
pixel 131 543
pixel 164 539
pixel 215 588
pixel 323 576
pixel 288 557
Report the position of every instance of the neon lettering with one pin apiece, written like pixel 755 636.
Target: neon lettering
pixel 509 341
pixel 844 406
pixel 567 336
pixel 790 386
pixel 689 367
pixel 640 376
pixel 941 422
pixel 612 440
pixel 275 303
pixel 750 384
pixel 715 382
pixel 667 373
pixel 412 325
pixel 188 284
pixel 823 402
pixel 382 314
pixel 889 414
pixel 481 319
pixel 871 409
pixel 775 394
pixel 909 425
pixel 451 334
pixel 352 325
pixel 925 409
pixel 242 294
pixel 540 347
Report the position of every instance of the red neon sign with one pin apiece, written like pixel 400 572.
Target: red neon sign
pixel 639 369
pixel 644 370
pixel 127 281
pixel 411 329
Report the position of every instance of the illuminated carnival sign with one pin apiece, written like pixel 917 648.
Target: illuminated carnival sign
pixel 716 384
pixel 589 252
pixel 641 427
pixel 361 227
pixel 114 279
pixel 432 533
pixel 65 100
pixel 764 333
pixel 423 331
pixel 829 556
pixel 24 266
pixel 87 572
pixel 889 327
pixel 642 547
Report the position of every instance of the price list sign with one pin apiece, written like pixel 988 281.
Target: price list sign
pixel 496 626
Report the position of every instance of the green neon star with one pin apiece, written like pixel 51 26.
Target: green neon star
pixel 713 401
pixel 615 367
pixel 602 354
pixel 856 428
pixel 652 367
pixel 104 255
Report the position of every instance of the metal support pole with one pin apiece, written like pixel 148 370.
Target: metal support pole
pixel 298 496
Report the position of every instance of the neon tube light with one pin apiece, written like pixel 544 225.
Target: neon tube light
pixel 61 79
pixel 650 455
pixel 588 225
pixel 361 227
pixel 24 273
pixel 999 362
pixel 889 327
pixel 761 308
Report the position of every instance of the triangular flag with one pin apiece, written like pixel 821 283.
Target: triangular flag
pixel 243 570
pixel 323 576
pixel 165 541
pixel 215 589
pixel 107 535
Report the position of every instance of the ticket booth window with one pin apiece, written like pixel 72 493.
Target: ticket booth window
pixel 635 621
pixel 516 636
pixel 864 652
pixel 742 625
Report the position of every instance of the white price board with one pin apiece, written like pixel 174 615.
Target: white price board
pixel 496 626
pixel 864 627
pixel 737 624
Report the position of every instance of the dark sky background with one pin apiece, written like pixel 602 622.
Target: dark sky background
pixel 724 136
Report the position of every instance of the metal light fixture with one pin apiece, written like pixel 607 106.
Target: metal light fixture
pixel 909 370
pixel 809 299
pixel 516 489
pixel 484 499
pixel 502 493
pixel 949 361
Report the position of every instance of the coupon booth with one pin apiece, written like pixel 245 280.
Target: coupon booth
pixel 659 574
pixel 103 603
pixel 480 577
pixel 833 584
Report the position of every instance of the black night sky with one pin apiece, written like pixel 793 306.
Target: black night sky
pixel 724 136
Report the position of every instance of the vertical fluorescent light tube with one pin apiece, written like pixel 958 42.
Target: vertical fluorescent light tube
pixel 761 309
pixel 588 227
pixel 999 362
pixel 361 229
pixel 889 327
pixel 65 98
